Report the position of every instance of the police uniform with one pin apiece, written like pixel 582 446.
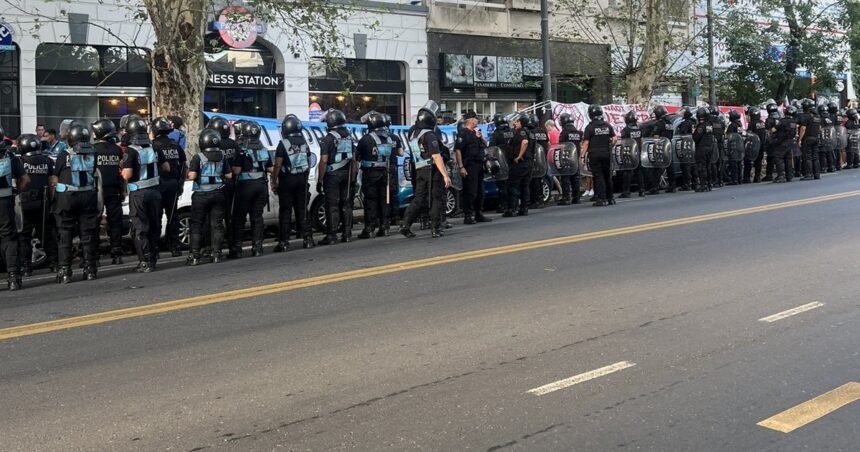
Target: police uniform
pixel 471 148
pixel 208 201
pixel 502 137
pixel 519 181
pixel 826 156
pixel 783 141
pixel 428 181
pixel 230 149
pixel 338 182
pixel 76 208
pixel 375 151
pixel 253 163
pixel 733 168
pixel 394 184
pixel 703 136
pixel 598 133
pixel 717 172
pixel 663 129
pixel 144 201
pixel 570 185
pixel 108 158
pixel 294 154
pixel 536 185
pixel 171 187
pixel 811 122
pixel 686 127
pixel 11 170
pixel 759 128
pixel 37 218
pixel 632 132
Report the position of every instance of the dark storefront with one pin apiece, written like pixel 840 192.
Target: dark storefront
pixel 10 85
pixel 358 86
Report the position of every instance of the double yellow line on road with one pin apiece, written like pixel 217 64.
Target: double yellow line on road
pixel 240 294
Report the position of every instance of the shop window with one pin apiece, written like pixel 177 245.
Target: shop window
pixel 10 105
pixel 116 107
pixel 247 102
pixel 356 105
pixel 257 59
pixel 92 65
pixel 54 109
pixel 67 57
pixel 360 70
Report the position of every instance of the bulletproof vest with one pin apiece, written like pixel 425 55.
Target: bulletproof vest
pixel 82 167
pixel 503 138
pixel 570 135
pixel 343 152
pixel 813 126
pixel 148 173
pixel 381 150
pixel 541 135
pixel 787 129
pixel 635 132
pixel 209 178
pixel 36 166
pixel 297 154
pixel 719 127
pixel 416 150
pixel 669 129
pixel 530 150
pixel 259 157
pixel 6 175
pixel 171 151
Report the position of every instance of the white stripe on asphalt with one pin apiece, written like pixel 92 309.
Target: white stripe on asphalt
pixel 791 312
pixel 576 379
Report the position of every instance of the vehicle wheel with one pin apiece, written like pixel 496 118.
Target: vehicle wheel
pixel 318 214
pixel 185 229
pixel 450 201
pixel 546 190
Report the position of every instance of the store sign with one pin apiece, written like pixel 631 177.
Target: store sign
pixel 237 27
pixel 488 71
pixel 254 81
pixel 6 37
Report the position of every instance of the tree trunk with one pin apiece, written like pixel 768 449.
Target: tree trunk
pixel 639 82
pixel 791 51
pixel 178 65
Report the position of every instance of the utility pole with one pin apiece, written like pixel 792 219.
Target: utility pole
pixel 712 89
pixel 544 29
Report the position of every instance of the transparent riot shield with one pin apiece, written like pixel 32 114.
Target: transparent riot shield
pixel 825 140
pixel 684 148
pixel 539 165
pixel 563 159
pixel 454 174
pixel 625 155
pixel 656 153
pixel 840 137
pixel 853 141
pixel 734 147
pixel 752 147
pixel 495 164
pixel 715 151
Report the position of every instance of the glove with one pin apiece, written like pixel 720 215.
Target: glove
pixel 320 188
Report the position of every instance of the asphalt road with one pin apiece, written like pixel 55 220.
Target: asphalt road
pixel 469 342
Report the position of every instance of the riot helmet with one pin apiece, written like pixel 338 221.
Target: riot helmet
pixel 688 112
pixel 220 125
pixel 734 115
pixel 104 130
pixel 136 131
pixel 425 120
pixel 209 139
pixel 754 113
pixel 500 120
pixel 373 121
pixel 291 126
pixel 251 130
pixel 832 108
pixel 807 105
pixel 630 118
pixel 565 119
pixel 237 128
pixel 791 111
pixel 713 111
pixel 534 122
pixel 822 109
pixel 595 111
pixel 78 134
pixel 852 114
pixel 386 118
pixel 123 122
pixel 161 126
pixel 702 114
pixel 523 120
pixel 660 112
pixel 27 143
pixel 335 119
pixel 772 109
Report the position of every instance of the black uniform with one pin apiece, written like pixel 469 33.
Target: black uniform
pixel 663 129
pixel 230 149
pixel 428 182
pixel 76 207
pixel 520 176
pixel 338 181
pixel 394 180
pixel 635 133
pixel 471 148
pixel 36 211
pixel 502 138
pixel 293 187
pixel 598 133
pixel 570 185
pixel 375 150
pixel 852 159
pixel 144 200
pixel 759 128
pixel 733 167
pixel 10 170
pixel 767 146
pixel 717 167
pixel 703 136
pixel 826 157
pixel 108 158
pixel 686 127
pixel 809 147
pixel 536 187
pixel 252 194
pixel 208 200
pixel 838 154
pixel 171 186
pixel 783 142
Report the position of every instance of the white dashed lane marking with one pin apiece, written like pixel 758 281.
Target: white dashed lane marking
pixel 791 312
pixel 581 378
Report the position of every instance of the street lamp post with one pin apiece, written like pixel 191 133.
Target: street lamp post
pixel 712 89
pixel 544 29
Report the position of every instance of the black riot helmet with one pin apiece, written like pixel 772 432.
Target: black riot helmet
pixel 209 139
pixel 852 114
pixel 523 120
pixel 135 129
pixel 78 134
pixel 237 128
pixel 595 111
pixel 772 109
pixel 251 130
pixel 500 120
pixel 713 111
pixel 630 118
pixel 688 112
pixel 104 130
pixel 386 118
pixel 660 112
pixel 832 108
pixel 754 113
pixel 734 115
pixel 123 122
pixel 335 119
pixel 565 119
pixel 373 121
pixel 534 122
pixel 291 126
pixel 220 125
pixel 427 115
pixel 702 114
pixel 161 126
pixel 28 143
pixel 822 109
pixel 791 111
pixel 807 104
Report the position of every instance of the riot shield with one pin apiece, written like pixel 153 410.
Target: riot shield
pixel 563 159
pixel 840 137
pixel 825 139
pixel 684 148
pixel 734 147
pixel 454 174
pixel 19 214
pixel 715 151
pixel 853 141
pixel 656 153
pixel 584 168
pixel 539 165
pixel 407 168
pixel 495 164
pixel 752 147
pixel 625 155
pixel 795 149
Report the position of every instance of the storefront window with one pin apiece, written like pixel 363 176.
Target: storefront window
pixel 356 105
pixel 78 65
pixel 358 86
pixel 256 59
pixel 52 110
pixel 114 108
pixel 67 57
pixel 10 106
pixel 248 102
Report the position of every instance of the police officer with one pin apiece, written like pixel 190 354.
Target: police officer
pixel 733 167
pixel 393 180
pixel 336 176
pixel 759 128
pixel 502 137
pixel 773 117
pixel 110 183
pixel 825 141
pixel 172 181
pixel 12 178
pixel 632 131
pixel 719 128
pixel 520 163
pixel 810 128
pixel 77 203
pixel 207 170
pixel 470 145
pixel 783 140
pixel 597 141
pixel 36 204
pixel 542 139
pixel 141 166
pixel 290 182
pixel 251 168
pixel 229 148
pixel 429 174
pixel 662 129
pixel 703 136
pixel 685 128
pixel 570 185
pixel 838 154
pixel 375 151
pixel 852 123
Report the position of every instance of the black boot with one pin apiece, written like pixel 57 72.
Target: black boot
pixel 435 233
pixel 563 201
pixel 346 238
pixel 64 275
pixel 330 239
pixel 384 231
pixel 407 231
pixel 15 282
pixel 193 259
pixel 366 233
pixel 234 253
pixel 308 242
pixel 217 257
pixel 508 213
pixel 281 247
pixel 116 257
pixel 468 219
pixel 257 249
pixel 90 272
pixel 480 218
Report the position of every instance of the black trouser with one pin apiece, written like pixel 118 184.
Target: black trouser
pixel 207 205
pixel 145 211
pixel 78 211
pixel 170 189
pixel 502 189
pixel 536 191
pixel 825 159
pixel 394 188
pixel 293 198
pixel 733 171
pixel 519 179
pixel 627 179
pixel 337 194
pixel 570 186
pixel 374 183
pixel 771 163
pixel 687 170
pixel 852 159
pixel 39 222
pixel 754 167
pixel 783 160
pixel 473 188
pixel 9 233
pixel 601 169
pixel 112 198
pixel 251 197
pixel 229 206
pixel 703 167
pixel 429 188
pixel 809 153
